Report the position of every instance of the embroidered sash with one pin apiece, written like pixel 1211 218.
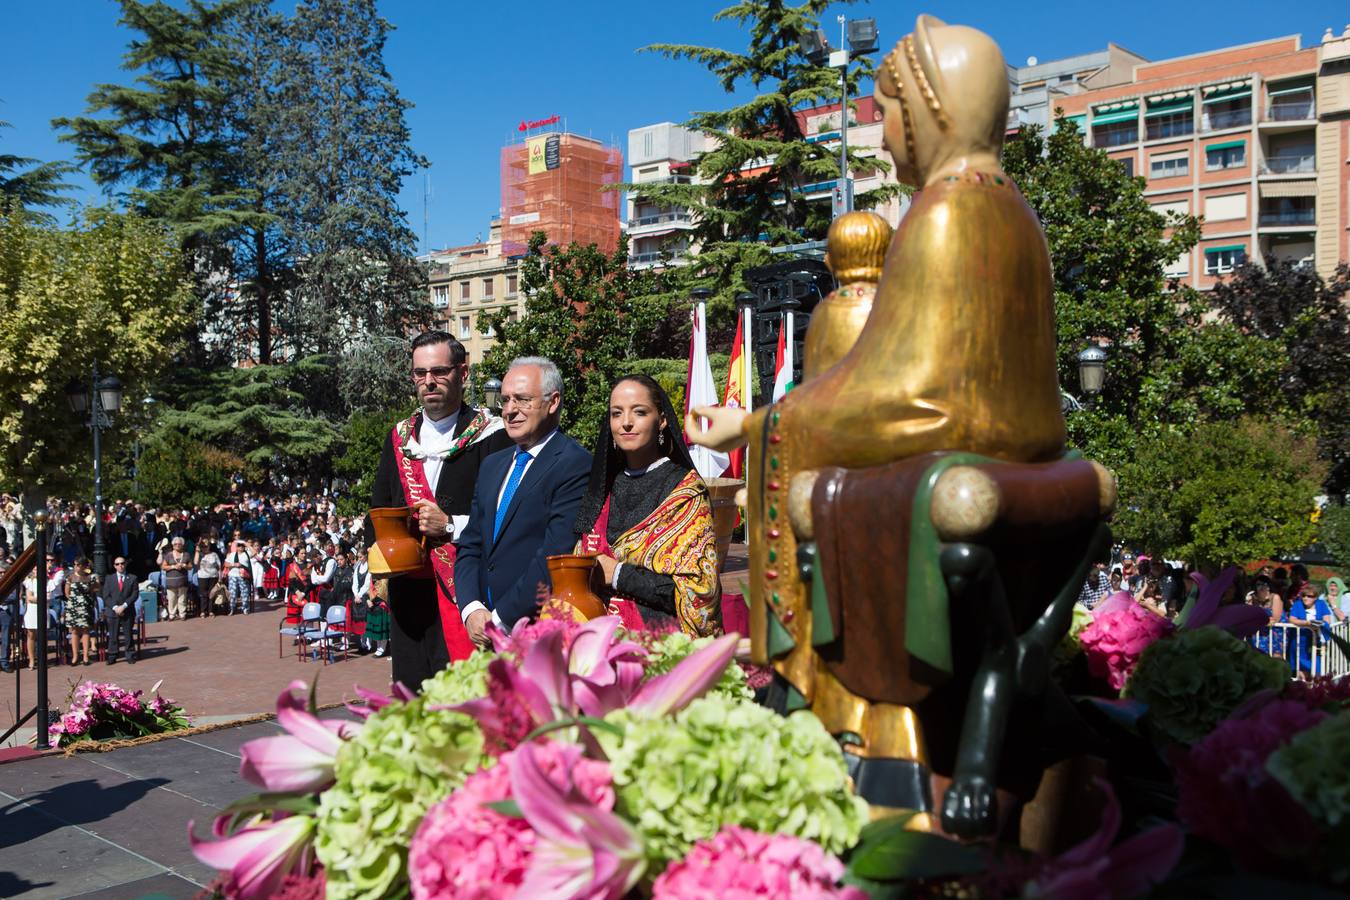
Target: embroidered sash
pixel 412 474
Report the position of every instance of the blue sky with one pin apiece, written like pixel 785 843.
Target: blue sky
pixel 475 70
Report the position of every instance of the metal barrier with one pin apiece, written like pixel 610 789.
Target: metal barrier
pixel 1306 647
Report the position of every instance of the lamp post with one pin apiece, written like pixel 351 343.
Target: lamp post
pixel 1092 370
pixel 492 394
pixel 861 36
pixel 104 398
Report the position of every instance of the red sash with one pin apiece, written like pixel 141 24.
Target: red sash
pixel 597 543
pixel 413 475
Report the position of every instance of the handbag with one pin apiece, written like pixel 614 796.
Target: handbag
pixel 220 596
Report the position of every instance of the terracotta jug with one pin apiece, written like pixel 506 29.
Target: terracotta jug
pixel 571 577
pixel 398 549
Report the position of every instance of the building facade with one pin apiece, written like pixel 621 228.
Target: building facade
pixel 1037 87
pixel 467 283
pixel 560 184
pixel 1229 135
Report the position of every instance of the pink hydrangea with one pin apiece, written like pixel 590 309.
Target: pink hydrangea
pixel 738 862
pixel 1226 795
pixel 1117 637
pixel 466 849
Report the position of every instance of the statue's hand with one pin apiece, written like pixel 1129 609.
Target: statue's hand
pixel 725 425
pixel 968 807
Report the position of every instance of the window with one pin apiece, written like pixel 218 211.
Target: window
pixel 512 316
pixel 512 285
pixel 465 327
pixel 1225 206
pixel 1222 260
pixel 1173 124
pixel 1179 267
pixel 1115 134
pixel 1126 163
pixel 440 295
pixel 488 289
pixel 1169 165
pixel 1180 207
pixel 1231 155
pixel 464 292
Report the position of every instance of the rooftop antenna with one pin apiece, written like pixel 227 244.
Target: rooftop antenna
pixel 426 211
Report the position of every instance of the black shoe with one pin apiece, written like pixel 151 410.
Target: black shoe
pixel 4 667
pixel 131 662
pixel 110 662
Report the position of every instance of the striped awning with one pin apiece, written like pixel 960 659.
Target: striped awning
pixel 1229 90
pixel 1289 188
pixel 1169 97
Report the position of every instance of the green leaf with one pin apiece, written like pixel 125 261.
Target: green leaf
pixel 896 854
pixel 508 808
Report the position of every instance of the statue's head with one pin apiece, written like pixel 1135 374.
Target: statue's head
pixel 943 91
pixel 856 247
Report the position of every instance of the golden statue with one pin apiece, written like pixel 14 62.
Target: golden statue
pixel 952 377
pixel 855 250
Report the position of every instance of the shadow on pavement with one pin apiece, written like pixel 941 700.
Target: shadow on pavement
pixel 75 803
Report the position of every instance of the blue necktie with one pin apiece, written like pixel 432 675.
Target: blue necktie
pixel 518 470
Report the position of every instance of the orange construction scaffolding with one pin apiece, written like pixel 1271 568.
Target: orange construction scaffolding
pixel 555 183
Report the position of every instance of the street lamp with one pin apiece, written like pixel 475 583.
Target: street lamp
pixel 106 396
pixel 1092 369
pixel 861 37
pixel 492 394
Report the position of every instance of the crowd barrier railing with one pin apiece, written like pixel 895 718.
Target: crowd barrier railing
pixel 1306 647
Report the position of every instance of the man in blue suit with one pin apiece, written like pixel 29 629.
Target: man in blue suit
pixel 524 504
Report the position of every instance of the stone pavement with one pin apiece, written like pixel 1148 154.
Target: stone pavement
pixel 114 825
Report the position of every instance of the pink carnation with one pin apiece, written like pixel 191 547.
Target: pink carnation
pixel 1226 795
pixel 465 849
pixel 1117 637
pixel 737 862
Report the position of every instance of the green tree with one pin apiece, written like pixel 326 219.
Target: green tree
pixel 363 438
pixel 176 471
pixel 740 216
pixel 263 414
pixel 32 184
pixel 1225 492
pixel 1333 533
pixel 586 311
pixel 111 289
pixel 1304 324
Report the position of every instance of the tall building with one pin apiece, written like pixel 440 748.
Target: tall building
pixel 1037 87
pixel 1230 135
pixel 556 183
pixel 468 282
pixel 1333 150
pixel 664 153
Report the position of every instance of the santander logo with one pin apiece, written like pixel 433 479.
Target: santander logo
pixel 538 123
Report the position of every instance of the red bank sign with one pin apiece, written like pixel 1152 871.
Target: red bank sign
pixel 538 123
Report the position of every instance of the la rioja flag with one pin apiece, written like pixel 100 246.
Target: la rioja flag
pixel 701 392
pixel 782 364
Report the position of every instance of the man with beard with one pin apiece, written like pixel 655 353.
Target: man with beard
pixel 430 462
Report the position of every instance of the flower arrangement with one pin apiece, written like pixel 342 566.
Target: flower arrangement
pixel 739 862
pixel 1117 637
pixel 103 711
pixel 529 772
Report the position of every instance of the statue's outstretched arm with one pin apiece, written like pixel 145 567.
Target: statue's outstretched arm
pixel 725 431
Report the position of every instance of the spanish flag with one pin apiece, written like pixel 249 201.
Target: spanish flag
pixel 734 396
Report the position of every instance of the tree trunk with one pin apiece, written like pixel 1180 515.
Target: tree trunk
pixel 263 285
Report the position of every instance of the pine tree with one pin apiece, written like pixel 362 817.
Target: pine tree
pixel 41 185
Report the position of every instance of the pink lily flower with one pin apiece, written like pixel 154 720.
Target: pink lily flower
pixel 302 760
pixel 1238 619
pixel 373 701
pixel 690 679
pixel 259 856
pixel 604 674
pixel 1093 870
pixel 581 850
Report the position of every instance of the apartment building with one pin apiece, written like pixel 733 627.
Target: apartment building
pixel 466 283
pixel 1333 151
pixel 1037 87
pixel 1230 135
pixel 664 153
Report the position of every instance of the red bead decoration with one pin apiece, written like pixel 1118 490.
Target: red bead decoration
pixel 771 574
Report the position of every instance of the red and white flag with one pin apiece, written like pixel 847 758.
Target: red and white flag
pixel 699 391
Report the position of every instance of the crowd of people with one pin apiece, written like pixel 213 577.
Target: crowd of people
pixel 493 498
pixel 1287 594
pixel 198 562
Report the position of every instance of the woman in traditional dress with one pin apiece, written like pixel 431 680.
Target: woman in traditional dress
pixel 647 517
pixel 81 609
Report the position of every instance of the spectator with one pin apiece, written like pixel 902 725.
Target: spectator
pixel 1132 580
pixel 239 572
pixel 361 596
pixel 9 611
pixel 1150 597
pixel 1116 579
pixel 174 563
pixel 81 610
pixel 1336 598
pixel 1261 595
pixel 208 574
pixel 1095 587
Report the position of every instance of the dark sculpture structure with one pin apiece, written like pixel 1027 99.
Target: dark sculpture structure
pixel 918 533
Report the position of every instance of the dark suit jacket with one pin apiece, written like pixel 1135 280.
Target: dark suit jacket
pixel 538 524
pixel 113 597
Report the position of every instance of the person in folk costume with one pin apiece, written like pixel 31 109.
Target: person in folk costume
pixel 647 516
pixel 430 462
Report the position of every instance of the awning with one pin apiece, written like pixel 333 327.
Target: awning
pixel 1289 188
pixel 1079 120
pixel 1286 91
pixel 1229 90
pixel 1167 109
pixel 1226 145
pixel 1113 107
pixel 1124 115
pixel 1169 97
pixel 1239 247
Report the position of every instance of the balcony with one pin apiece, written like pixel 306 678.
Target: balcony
pixel 1289 164
pixel 1291 111
pixel 646 260
pixel 1115 135
pixel 1287 218
pixel 661 219
pixel 1232 118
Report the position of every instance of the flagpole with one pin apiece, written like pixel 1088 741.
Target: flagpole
pixel 746 302
pixel 790 344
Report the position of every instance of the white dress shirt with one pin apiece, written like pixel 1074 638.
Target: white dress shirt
pixel 436 438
